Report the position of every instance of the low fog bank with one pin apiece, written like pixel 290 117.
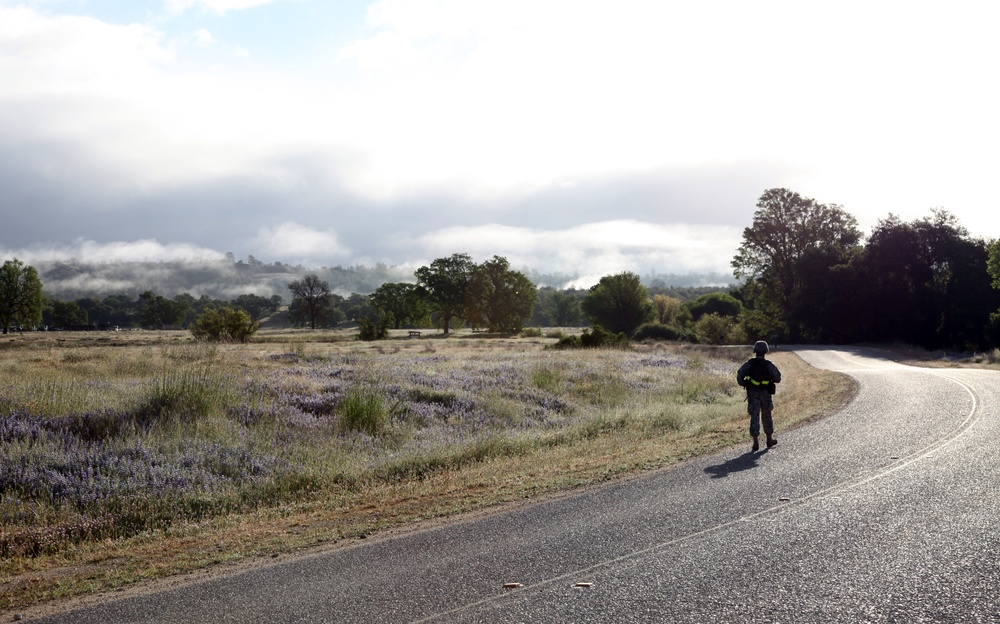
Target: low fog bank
pixel 226 279
pixel 218 279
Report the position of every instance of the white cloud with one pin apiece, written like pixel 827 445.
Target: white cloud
pixel 91 252
pixel 220 7
pixel 299 244
pixel 880 98
pixel 594 250
pixel 120 107
pixel 490 104
pixel 203 38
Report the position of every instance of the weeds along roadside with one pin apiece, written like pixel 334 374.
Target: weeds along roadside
pixel 109 451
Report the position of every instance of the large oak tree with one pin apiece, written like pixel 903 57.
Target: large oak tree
pixel 446 284
pixel 619 303
pixel 787 252
pixel 21 300
pixel 500 298
pixel 312 301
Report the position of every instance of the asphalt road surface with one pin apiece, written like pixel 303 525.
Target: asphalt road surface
pixel 886 512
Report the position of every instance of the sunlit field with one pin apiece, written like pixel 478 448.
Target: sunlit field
pixel 132 455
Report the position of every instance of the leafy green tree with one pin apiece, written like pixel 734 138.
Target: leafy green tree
pixel 894 295
pixel 224 325
pixel 373 328
pixel 124 310
pixel 780 250
pixel 993 268
pixel 97 313
pixel 446 284
pixel 21 299
pixel 499 298
pixel 357 307
pixel 718 303
pixel 844 309
pixel 619 303
pixel 714 328
pixel 757 323
pixel 960 287
pixel 993 262
pixel 312 301
pixel 400 303
pixel 925 282
pixel 67 314
pixel 329 315
pixel 157 312
pixel 257 306
pixel 191 308
pixel 668 309
pixel 562 308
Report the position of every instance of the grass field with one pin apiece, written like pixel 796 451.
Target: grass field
pixel 131 456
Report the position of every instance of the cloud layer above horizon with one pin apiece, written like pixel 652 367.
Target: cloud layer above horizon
pixel 576 137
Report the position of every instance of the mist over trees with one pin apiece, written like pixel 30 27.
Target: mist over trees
pixel 222 279
pixel 806 274
pixel 225 279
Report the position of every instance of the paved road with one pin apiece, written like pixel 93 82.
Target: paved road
pixel 886 512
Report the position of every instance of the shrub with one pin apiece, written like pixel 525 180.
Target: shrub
pixel 594 338
pixel 718 303
pixel 531 332
pixel 571 341
pixel 598 337
pixel 713 328
pixel 224 325
pixel 656 331
pixel 994 356
pixel 373 328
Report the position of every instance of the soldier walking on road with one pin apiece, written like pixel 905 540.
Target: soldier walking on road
pixel 759 376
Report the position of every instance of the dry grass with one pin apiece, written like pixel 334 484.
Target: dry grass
pixel 623 439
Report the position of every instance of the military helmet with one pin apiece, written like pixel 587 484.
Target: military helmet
pixel 760 347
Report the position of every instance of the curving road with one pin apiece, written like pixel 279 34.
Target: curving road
pixel 888 511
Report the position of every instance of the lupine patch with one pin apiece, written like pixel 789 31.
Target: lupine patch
pixel 191 444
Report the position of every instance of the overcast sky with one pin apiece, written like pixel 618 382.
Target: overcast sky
pixel 567 135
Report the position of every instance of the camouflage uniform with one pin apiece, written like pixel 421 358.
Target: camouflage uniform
pixel 759 390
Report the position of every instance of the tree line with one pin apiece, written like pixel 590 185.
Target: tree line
pixel 453 290
pixel 30 309
pixel 807 275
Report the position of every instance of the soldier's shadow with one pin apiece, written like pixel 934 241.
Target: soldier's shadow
pixel 745 461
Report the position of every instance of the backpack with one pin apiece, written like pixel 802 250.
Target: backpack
pixel 758 376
